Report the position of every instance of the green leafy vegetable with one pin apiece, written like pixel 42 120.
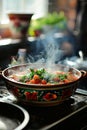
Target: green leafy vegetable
pixel 62 76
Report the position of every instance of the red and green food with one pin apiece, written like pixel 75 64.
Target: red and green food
pixel 42 76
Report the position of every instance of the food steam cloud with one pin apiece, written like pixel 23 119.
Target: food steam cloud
pixel 47 51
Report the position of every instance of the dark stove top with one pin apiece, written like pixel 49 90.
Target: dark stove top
pixel 71 114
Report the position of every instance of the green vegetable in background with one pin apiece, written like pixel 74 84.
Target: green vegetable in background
pixel 53 19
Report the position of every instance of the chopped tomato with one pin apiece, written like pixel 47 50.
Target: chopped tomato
pixel 36 76
pixel 44 81
pixel 37 81
pixel 32 81
pixel 66 81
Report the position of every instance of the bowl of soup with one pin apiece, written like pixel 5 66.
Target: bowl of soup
pixel 40 84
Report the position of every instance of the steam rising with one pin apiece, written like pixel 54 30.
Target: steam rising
pixel 47 50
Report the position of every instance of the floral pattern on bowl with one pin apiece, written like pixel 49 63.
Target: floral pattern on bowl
pixel 42 97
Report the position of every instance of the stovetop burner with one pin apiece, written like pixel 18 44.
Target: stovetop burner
pixel 55 117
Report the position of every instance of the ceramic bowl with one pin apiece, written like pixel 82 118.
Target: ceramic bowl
pixel 39 94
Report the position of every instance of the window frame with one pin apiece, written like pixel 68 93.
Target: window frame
pixel 23 6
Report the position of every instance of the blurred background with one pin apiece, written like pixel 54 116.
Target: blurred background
pixel 68 7
pixel 55 25
pixel 47 31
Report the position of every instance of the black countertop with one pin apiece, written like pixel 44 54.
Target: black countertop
pixel 64 116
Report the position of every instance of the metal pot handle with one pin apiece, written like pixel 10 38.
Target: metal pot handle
pixel 0 73
pixel 84 73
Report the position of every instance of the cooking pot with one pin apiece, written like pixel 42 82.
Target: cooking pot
pixel 38 94
pixel 12 116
